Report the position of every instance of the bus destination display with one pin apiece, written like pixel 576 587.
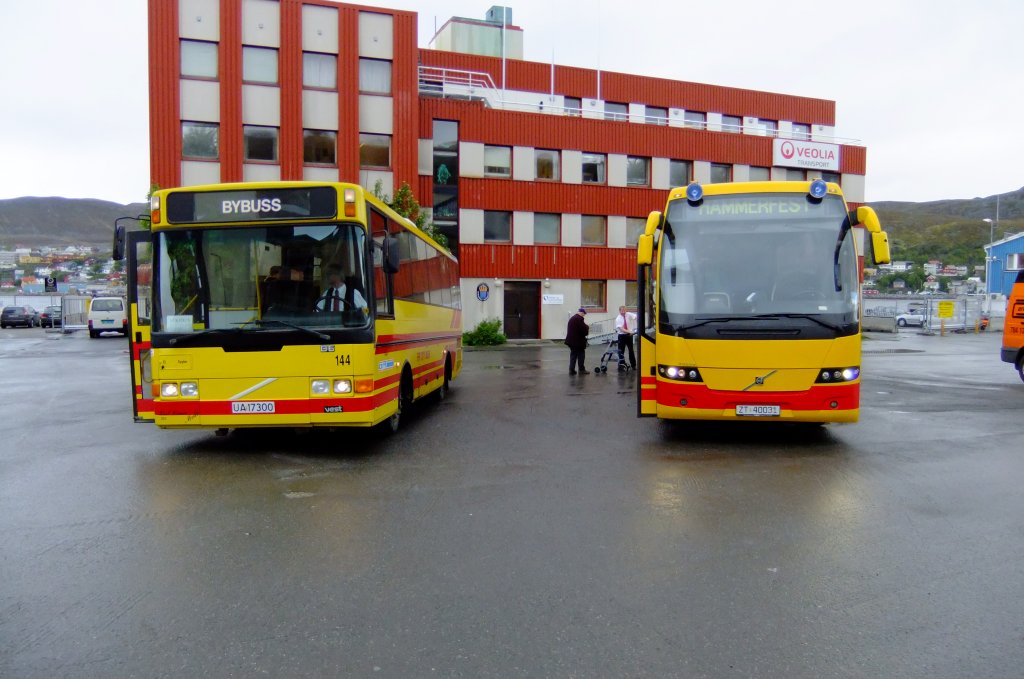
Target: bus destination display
pixel 254 205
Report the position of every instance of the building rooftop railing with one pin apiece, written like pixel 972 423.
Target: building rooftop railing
pixel 450 83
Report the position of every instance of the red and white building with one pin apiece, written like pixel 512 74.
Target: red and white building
pixel 540 175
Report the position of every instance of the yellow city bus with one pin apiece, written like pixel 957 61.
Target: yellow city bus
pixel 286 304
pixel 1012 350
pixel 750 296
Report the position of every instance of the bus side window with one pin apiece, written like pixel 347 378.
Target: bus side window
pixel 381 281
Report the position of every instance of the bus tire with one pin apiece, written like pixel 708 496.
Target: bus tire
pixel 1020 367
pixel 404 401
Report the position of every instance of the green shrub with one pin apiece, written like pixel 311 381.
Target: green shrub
pixel 485 334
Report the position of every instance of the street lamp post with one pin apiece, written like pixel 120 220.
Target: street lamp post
pixel 988 260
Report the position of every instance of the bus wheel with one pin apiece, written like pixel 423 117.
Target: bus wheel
pixel 404 401
pixel 1020 368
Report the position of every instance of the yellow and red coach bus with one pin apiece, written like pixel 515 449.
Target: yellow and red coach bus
pixel 750 296
pixel 286 304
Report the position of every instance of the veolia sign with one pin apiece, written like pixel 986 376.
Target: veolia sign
pixel 809 155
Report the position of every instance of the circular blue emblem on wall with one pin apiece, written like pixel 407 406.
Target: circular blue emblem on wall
pixel 482 292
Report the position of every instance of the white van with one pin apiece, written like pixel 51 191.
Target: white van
pixel 107 314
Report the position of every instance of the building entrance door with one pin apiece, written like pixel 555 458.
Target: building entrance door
pixel 522 310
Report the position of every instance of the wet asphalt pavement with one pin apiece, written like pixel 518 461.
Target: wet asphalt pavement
pixel 528 526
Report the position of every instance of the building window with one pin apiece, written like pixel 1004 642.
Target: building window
pixel 760 174
pixel 631 293
pixel 497 226
pixel 638 171
pixel 656 115
pixel 771 127
pixel 319 71
pixel 497 161
pixel 732 124
pixel 200 140
pixel 695 119
pixel 374 150
pixel 259 65
pixel 259 143
pixel 548 164
pixel 634 229
pixel 547 229
pixel 616 111
pixel 795 175
pixel 319 147
pixel 198 59
pixel 374 76
pixel 595 230
pixel 801 131
pixel 830 177
pixel 573 106
pixel 593 168
pixel 592 294
pixel 721 172
pixel 679 172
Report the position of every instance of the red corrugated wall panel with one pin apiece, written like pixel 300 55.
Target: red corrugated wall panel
pixel 348 106
pixel 230 66
pixel 546 261
pixel 405 89
pixel 583 199
pixel 164 94
pixel 290 75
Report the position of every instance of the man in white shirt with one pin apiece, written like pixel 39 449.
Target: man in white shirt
pixel 625 326
pixel 334 298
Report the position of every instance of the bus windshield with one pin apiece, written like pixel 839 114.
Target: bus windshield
pixel 295 276
pixel 780 258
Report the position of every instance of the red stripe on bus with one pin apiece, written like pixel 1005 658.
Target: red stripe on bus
pixel 700 397
pixel 356 404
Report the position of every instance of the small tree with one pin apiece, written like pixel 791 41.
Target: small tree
pixel 405 204
pixel 487 333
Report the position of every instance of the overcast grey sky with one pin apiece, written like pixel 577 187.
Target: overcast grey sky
pixel 932 89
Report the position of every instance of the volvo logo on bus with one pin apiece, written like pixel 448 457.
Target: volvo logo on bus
pixel 759 381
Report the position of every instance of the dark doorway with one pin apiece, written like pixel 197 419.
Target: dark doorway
pixel 522 310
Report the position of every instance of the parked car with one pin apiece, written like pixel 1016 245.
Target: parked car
pixel 107 314
pixel 50 317
pixel 19 315
pixel 911 317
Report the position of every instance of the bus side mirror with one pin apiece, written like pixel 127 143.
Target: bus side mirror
pixel 119 236
pixel 880 247
pixel 645 250
pixel 390 255
pixel 645 246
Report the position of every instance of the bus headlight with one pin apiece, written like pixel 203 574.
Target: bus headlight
pixel 342 386
pixel 320 387
pixel 169 390
pixel 680 373
pixel 189 389
pixel 831 375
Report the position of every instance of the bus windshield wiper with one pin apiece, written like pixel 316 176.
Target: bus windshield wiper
pixel 273 321
pixel 810 317
pixel 189 338
pixel 704 321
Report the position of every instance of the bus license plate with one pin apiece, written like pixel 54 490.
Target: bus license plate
pixel 251 407
pixel 758 411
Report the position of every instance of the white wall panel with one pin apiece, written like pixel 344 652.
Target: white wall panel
pixel 616 169
pixel 854 187
pixel 319 110
pixel 616 231
pixel 659 173
pixel 471 227
pixel 572 230
pixel 200 101
pixel 426 157
pixel 261 23
pixel 319 29
pixel 572 167
pixel 522 228
pixel 375 114
pixel 320 174
pixel 259 172
pixel 196 173
pixel 471 159
pixel 523 166
pixel 368 180
pixel 261 105
pixel 376 35
pixel 199 19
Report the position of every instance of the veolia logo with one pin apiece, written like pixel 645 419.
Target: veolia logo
pixel 787 150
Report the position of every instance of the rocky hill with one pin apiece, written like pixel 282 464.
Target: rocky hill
pixel 30 222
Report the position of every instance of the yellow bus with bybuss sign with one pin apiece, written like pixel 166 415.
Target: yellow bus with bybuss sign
pixel 750 296
pixel 286 304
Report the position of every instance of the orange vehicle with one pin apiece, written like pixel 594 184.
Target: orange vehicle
pixel 1013 327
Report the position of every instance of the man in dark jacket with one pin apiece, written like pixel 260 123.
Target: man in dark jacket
pixel 576 340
